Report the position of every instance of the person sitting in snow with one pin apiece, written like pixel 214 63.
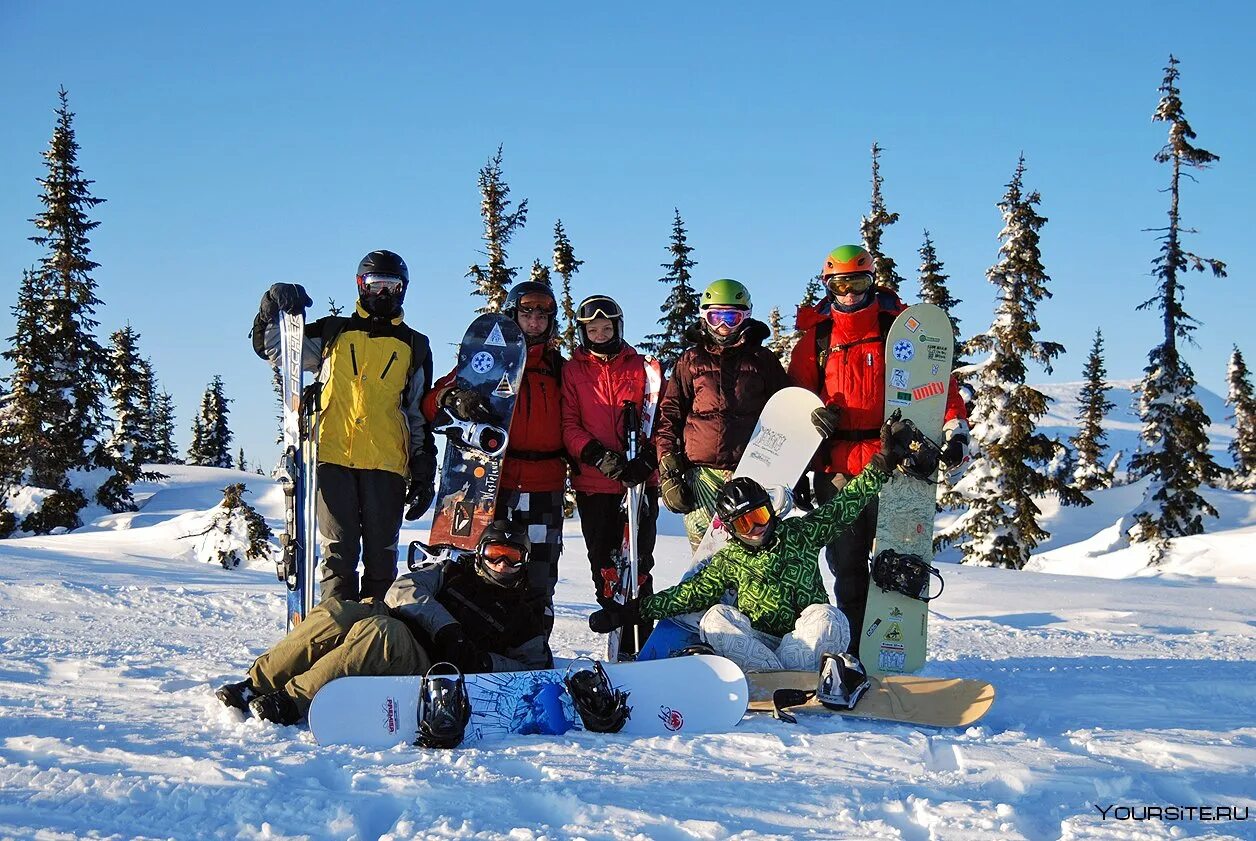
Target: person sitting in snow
pixel 479 614
pixel 781 618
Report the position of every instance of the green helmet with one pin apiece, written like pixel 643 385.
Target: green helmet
pixel 726 292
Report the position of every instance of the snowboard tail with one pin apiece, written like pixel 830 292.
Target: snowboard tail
pixel 904 699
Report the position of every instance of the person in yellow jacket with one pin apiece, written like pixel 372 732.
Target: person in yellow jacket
pixel 373 372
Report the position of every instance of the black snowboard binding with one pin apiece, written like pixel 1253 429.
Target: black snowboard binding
pixel 690 650
pixel 920 456
pixel 444 707
pixel 906 574
pixel 602 707
pixel 843 681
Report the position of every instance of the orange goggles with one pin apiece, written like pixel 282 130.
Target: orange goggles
pixel 504 554
pixel 748 522
pixel 846 284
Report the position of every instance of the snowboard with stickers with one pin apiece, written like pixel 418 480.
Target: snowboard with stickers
pixel 677 696
pixel 491 361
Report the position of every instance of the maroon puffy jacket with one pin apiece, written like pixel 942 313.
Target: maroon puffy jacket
pixel 715 396
pixel 594 391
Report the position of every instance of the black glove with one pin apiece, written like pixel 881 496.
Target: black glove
pixel 283 297
pixel 824 419
pixel 467 404
pixel 452 646
pixel 422 487
pixel 610 462
pixel 675 490
pixel 902 443
pixel 639 469
pixel 803 500
pixel 614 615
pixel 955 446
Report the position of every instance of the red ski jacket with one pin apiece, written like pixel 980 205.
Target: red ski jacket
pixel 534 458
pixel 594 393
pixel 853 379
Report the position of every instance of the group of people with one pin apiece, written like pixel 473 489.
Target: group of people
pixel 494 611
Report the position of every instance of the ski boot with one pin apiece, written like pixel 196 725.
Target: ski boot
pixel 276 707
pixel 237 695
pixel 602 707
pixel 444 707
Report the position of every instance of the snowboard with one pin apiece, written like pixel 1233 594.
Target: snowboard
pixel 918 352
pixel 638 427
pixel 906 699
pixel 700 694
pixel 491 361
pixel 297 560
pixel 782 445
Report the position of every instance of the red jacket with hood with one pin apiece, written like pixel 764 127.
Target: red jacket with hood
pixel 534 460
pixel 853 379
pixel 594 392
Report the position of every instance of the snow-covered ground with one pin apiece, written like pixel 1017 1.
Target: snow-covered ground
pixel 1119 688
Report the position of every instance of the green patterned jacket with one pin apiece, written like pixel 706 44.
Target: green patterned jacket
pixel 776 583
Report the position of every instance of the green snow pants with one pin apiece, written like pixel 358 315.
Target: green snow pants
pixel 337 639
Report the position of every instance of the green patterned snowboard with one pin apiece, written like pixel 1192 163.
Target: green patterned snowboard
pixel 918 353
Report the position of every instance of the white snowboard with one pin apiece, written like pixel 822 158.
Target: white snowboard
pixel 698 694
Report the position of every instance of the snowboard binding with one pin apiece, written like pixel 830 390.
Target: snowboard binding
pixel 602 707
pixel 444 707
pixel 843 681
pixel 485 437
pixel 906 574
pixel 921 455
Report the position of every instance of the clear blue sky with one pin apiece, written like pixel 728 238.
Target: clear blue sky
pixel 239 144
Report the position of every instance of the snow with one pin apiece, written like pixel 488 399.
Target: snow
pixel 1120 688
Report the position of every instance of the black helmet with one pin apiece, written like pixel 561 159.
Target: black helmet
pixel 529 293
pixel 595 307
pixel 379 298
pixel 508 536
pixel 741 496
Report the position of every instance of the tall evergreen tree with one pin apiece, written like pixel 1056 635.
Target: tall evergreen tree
pixel 934 290
pixel 566 265
pixel 680 310
pixel 540 273
pixel 241 464
pixel 1239 397
pixel 1000 527
pixel 147 400
pixel 127 382
pixel 494 280
pixel 25 445
pixel 211 436
pixel 812 292
pixel 781 341
pixel 1091 470
pixel 873 226
pixel 164 451
pixel 1174 440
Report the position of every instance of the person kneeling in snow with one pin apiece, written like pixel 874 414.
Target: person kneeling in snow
pixel 781 618
pixel 480 614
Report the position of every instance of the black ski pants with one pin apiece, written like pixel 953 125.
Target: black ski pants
pixel 602 523
pixel 848 557
pixel 359 512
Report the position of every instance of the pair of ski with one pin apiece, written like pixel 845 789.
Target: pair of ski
pixel 296 472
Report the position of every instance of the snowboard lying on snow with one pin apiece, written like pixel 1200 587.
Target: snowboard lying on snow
pixel 907 699
pixel 699 694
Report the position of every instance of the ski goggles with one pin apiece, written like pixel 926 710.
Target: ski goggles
pixel 378 284
pixel 845 284
pixel 505 554
pixel 751 520
pixel 725 317
pixel 594 310
pixel 537 306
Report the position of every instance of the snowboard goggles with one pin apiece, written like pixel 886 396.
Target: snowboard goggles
pixel 505 554
pixel 752 519
pixel 535 304
pixel 845 284
pixel 594 310
pixel 377 283
pixel 726 317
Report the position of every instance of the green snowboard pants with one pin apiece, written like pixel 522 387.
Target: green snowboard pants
pixel 337 639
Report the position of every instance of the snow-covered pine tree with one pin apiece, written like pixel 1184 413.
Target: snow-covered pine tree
pixel 934 290
pixel 812 292
pixel 127 383
pixel 1173 449
pixel 164 451
pixel 873 226
pixel 494 280
pixel 566 265
pixel 147 401
pixel 28 398
pixel 540 273
pixel 1239 398
pixel 211 436
pixel 680 310
pixel 781 342
pixel 1000 527
pixel 235 532
pixel 1091 470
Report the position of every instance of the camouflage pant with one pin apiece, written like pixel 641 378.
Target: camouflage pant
pixel 337 639
pixel 706 483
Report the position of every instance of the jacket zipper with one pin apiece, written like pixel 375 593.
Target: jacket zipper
pixel 391 360
pixel 353 358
